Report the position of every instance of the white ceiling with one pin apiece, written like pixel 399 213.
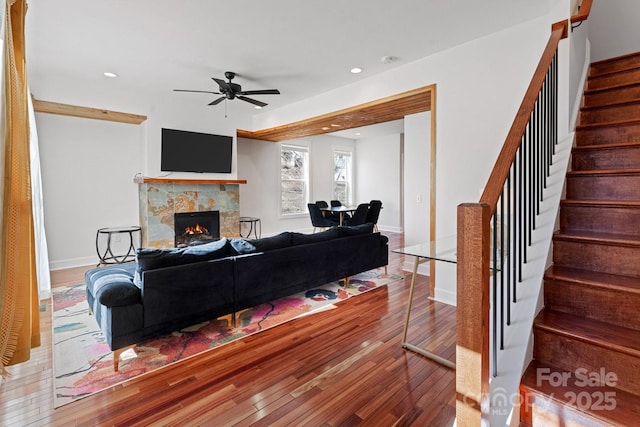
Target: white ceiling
pixel 302 48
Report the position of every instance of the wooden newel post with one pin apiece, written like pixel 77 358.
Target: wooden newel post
pixel 472 350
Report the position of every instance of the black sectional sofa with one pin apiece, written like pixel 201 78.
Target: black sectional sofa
pixel 169 289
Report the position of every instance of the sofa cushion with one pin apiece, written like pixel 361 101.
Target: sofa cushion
pixel 242 246
pixel 303 239
pixel 151 258
pixel 356 229
pixel 279 241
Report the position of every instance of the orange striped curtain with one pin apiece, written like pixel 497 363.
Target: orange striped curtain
pixel 19 316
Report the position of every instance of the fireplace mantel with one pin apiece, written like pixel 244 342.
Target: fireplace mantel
pixel 147 180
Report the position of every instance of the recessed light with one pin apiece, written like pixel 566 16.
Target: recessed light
pixel 257 107
pixel 335 126
pixel 326 128
pixel 356 70
pixel 109 74
pixel 357 133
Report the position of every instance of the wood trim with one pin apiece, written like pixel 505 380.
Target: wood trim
pixel 86 112
pixel 378 111
pixel 147 180
pixel 432 192
pixel 473 308
pixel 498 176
pixel 583 12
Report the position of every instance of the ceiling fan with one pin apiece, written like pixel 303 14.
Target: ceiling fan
pixel 230 90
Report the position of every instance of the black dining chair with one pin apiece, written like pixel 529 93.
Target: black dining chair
pixel 327 214
pixel 335 203
pixel 359 216
pixel 317 220
pixel 374 213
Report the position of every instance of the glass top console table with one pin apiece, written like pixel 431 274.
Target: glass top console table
pixel 444 250
pixel 437 250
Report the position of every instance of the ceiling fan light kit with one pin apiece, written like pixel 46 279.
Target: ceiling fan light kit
pixel 230 90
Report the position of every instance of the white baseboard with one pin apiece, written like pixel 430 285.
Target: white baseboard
pixel 390 228
pixel 73 262
pixel 445 296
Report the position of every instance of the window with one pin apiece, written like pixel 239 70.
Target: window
pixel 343 176
pixel 294 179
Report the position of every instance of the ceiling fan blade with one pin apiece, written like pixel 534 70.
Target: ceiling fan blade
pixel 217 101
pixel 260 92
pixel 253 101
pixel 224 86
pixel 198 91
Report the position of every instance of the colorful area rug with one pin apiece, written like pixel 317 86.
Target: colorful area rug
pixel 83 362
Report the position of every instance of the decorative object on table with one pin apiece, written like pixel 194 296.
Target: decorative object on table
pixel 82 358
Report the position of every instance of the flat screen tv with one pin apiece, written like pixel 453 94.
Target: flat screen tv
pixel 184 151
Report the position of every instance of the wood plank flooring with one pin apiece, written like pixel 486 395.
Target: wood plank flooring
pixel 342 367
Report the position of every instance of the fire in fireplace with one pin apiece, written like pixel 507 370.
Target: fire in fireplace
pixel 194 228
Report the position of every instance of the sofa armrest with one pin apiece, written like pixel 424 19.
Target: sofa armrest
pixel 113 286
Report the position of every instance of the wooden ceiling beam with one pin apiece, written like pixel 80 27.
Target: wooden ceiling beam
pixel 379 111
pixel 86 112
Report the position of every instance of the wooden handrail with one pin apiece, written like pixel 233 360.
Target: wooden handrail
pixel 474 254
pixel 583 12
pixel 498 176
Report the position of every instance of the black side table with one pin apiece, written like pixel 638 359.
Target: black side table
pixel 107 256
pixel 254 225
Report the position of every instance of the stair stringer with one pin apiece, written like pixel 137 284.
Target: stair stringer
pixel 518 342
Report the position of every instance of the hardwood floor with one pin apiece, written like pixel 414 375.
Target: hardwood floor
pixel 342 367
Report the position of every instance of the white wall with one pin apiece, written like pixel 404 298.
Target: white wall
pixel 479 87
pixel 259 164
pixel 613 28
pixel 417 178
pixel 87 178
pixel 378 177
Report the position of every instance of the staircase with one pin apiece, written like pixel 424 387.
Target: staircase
pixel 586 367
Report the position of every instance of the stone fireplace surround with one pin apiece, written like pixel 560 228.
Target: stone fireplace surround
pixel 160 198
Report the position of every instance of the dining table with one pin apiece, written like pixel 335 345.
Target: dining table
pixel 341 210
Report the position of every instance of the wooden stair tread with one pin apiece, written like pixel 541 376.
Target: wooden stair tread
pixel 627 405
pixel 621 104
pixel 605 335
pixel 632 204
pixel 615 59
pixel 598 279
pixel 612 146
pixel 604 172
pixel 596 237
pixel 625 70
pixel 611 88
pixel 589 126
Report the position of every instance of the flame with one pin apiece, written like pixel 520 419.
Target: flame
pixel 196 229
